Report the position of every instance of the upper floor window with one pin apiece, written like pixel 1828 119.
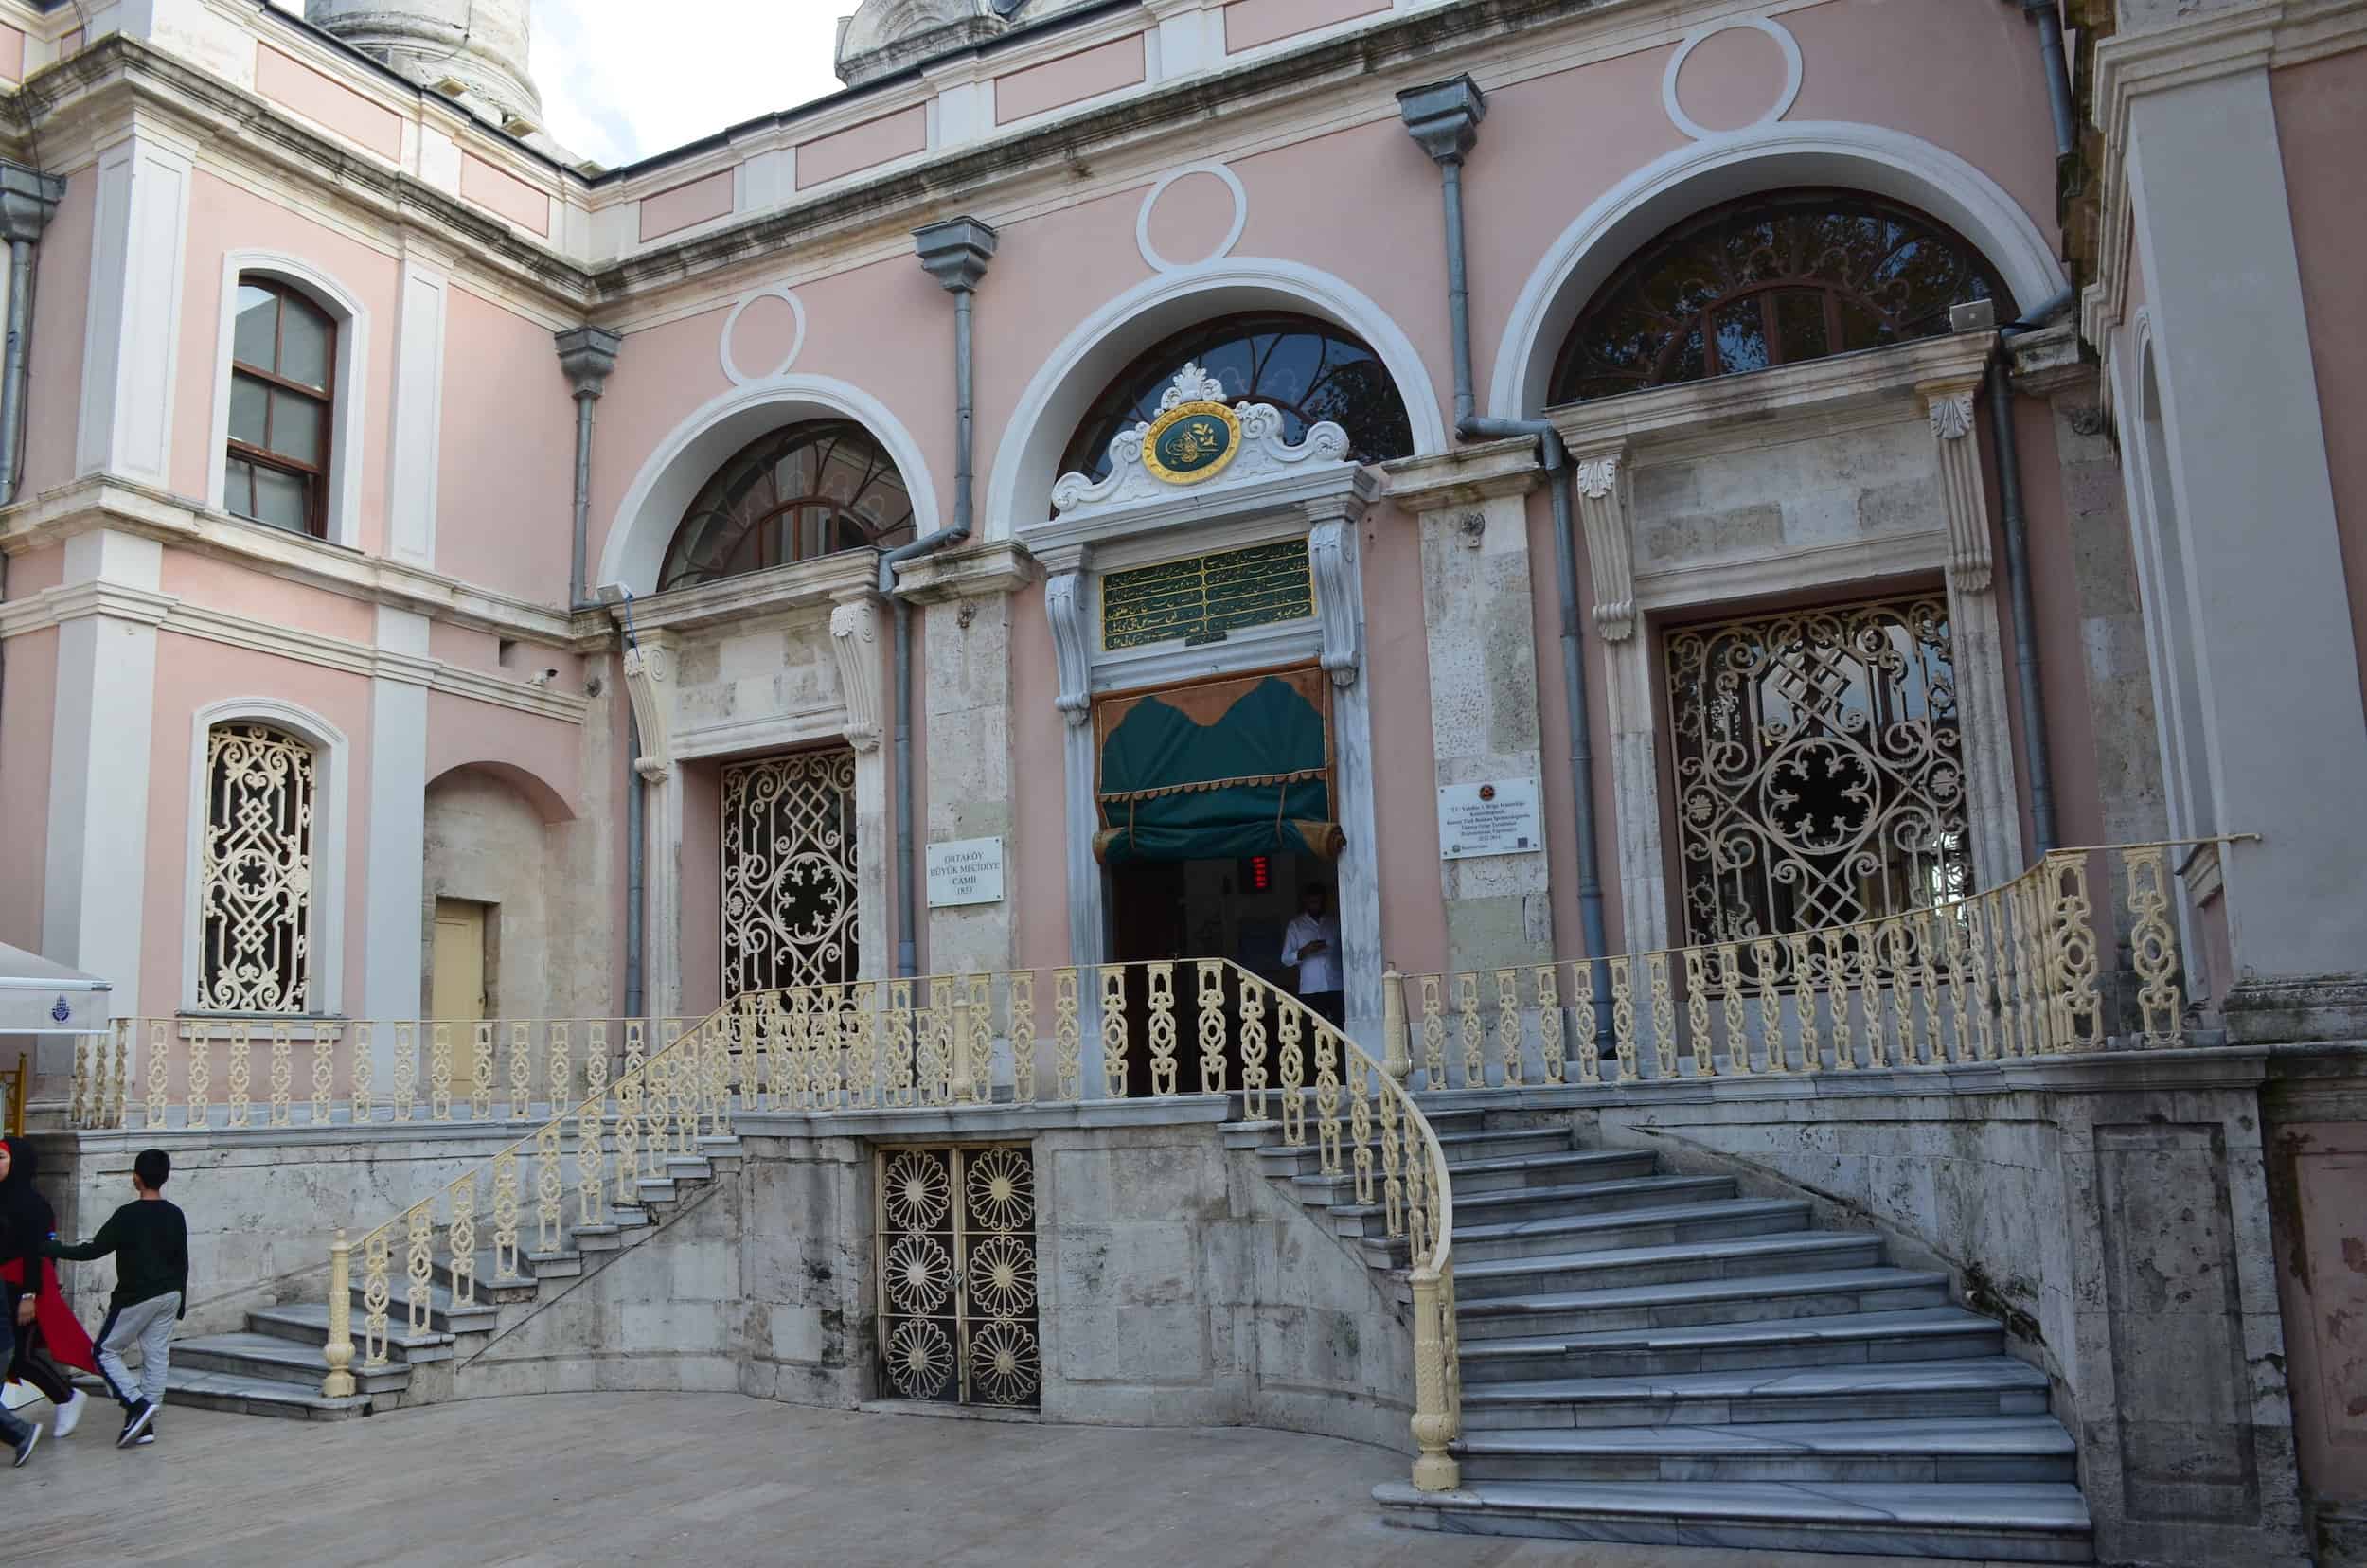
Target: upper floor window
pixel 283 362
pixel 1770 279
pixel 1309 370
pixel 811 490
pixel 255 872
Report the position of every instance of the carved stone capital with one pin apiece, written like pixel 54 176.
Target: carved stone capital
pixel 1969 566
pixel 854 638
pixel 1600 479
pixel 1065 597
pixel 1331 549
pixel 649 682
pixel 1951 415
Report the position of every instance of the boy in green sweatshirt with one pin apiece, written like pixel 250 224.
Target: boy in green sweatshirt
pixel 150 1241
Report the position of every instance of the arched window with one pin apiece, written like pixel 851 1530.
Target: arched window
pixel 283 365
pixel 1770 279
pixel 1310 370
pixel 255 872
pixel 806 490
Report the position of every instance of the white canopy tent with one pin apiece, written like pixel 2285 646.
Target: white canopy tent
pixel 40 997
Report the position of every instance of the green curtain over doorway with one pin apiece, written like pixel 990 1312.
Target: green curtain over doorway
pixel 1239 766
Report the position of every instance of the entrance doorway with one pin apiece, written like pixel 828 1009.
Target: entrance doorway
pixel 1237 908
pixel 956 1246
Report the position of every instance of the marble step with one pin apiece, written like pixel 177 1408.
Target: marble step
pixel 1794 1252
pixel 1933 1333
pixel 1963 1448
pixel 2027 1521
pixel 443 1314
pixel 1500 1142
pixel 1514 1205
pixel 249 1396
pixel 490 1285
pixel 1742 1298
pixel 1719 1219
pixel 274 1360
pixel 1545 1170
pixel 306 1322
pixel 1982 1385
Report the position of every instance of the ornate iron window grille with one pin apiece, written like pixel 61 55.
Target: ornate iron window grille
pixel 789 873
pixel 1819 767
pixel 256 872
pixel 1767 280
pixel 957 1276
pixel 806 490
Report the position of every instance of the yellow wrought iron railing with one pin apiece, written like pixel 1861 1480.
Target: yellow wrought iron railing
pixel 981 1039
pixel 15 1082
pixel 240 1072
pixel 2028 968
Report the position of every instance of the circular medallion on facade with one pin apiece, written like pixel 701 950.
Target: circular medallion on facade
pixel 1191 442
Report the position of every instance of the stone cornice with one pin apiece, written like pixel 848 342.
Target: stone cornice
pixel 1463 476
pixel 806 588
pixel 1689 410
pixel 974 571
pixel 88 504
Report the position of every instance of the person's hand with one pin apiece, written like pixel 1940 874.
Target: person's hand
pixel 25 1311
pixel 1316 946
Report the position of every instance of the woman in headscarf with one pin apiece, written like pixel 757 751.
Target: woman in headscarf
pixel 28 1291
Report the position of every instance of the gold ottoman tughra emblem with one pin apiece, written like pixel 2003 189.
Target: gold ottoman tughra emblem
pixel 1191 442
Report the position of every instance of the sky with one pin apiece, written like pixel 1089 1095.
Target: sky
pixel 624 79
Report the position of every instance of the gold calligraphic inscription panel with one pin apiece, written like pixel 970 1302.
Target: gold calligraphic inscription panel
pixel 957 1276
pixel 1203 597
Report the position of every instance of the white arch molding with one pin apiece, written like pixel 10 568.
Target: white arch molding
pixel 635 551
pixel 1020 484
pixel 345 422
pixel 1766 158
pixel 325 922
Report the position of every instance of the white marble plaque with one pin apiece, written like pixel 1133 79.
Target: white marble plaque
pixel 1498 817
pixel 964 871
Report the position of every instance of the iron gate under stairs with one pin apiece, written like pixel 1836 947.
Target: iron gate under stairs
pixel 956 1244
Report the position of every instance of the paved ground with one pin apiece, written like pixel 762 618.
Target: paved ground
pixel 723 1481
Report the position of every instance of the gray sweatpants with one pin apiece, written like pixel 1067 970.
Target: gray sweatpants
pixel 148 1325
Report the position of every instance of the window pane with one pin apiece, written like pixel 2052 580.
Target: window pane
pixel 304 336
pixel 258 318
pixel 296 427
pixel 238 487
pixel 1741 337
pixel 280 500
pixel 248 399
pixel 1800 326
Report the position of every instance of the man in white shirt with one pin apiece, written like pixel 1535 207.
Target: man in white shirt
pixel 1312 943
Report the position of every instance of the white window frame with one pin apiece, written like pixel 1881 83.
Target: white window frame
pixel 352 318
pixel 332 763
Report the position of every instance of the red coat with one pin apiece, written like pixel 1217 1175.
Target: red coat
pixel 60 1331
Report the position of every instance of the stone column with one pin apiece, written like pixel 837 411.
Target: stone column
pixel 1630 689
pixel 1067 602
pixel 854 638
pixel 1479 623
pixel 1331 545
pixel 966 600
pixel 1992 803
pixel 2259 572
pixel 394 863
pixel 132 335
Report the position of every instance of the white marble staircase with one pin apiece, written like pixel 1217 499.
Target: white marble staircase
pixel 1656 1359
pixel 273 1367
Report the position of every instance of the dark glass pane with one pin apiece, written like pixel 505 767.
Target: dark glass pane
pixel 1741 337
pixel 1800 326
pixel 252 339
pixel 297 427
pixel 238 487
pixel 248 401
pixel 1892 273
pixel 1309 370
pixel 305 336
pixel 280 499
pixel 802 491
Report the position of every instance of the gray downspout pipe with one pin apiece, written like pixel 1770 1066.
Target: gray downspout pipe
pixel 27 199
pixel 1444 118
pixel 2035 744
pixel 587 354
pixel 2058 95
pixel 955 253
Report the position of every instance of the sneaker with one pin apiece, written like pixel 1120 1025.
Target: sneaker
pixel 70 1414
pixel 135 1423
pixel 24 1449
pixel 145 1438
